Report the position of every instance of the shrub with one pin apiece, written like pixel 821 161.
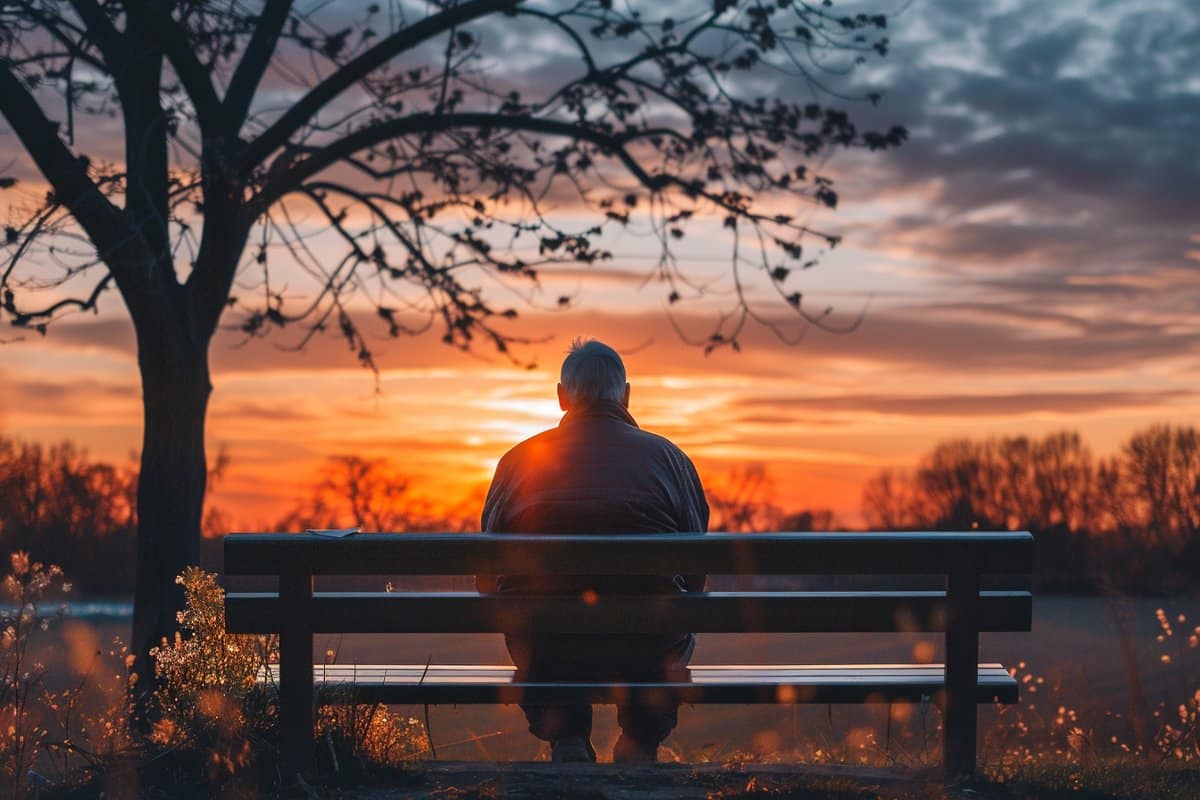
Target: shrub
pixel 208 702
pixel 66 736
pixel 216 699
pixel 358 736
pixel 22 690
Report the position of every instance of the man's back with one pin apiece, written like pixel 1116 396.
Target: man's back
pixel 596 473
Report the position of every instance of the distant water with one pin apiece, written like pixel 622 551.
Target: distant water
pixel 89 610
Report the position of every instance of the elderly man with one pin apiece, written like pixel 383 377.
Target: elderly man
pixel 597 472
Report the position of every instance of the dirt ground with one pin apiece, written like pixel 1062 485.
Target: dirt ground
pixel 542 781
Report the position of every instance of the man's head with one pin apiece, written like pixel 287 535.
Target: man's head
pixel 592 372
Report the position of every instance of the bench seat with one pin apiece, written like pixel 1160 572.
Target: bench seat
pixel 482 684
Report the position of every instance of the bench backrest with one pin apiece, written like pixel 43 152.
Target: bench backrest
pixel 961 557
pixel 962 610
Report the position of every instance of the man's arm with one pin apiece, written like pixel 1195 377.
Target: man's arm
pixel 694 514
pixel 491 521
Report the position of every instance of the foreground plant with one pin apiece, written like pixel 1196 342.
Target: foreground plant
pixel 207 701
pixel 65 736
pixel 216 701
pixel 22 687
pixel 1049 727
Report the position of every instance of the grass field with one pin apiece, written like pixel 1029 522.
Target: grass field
pixel 1074 649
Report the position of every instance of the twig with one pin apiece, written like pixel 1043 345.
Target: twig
pixel 428 727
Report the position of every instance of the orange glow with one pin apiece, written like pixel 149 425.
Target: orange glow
pixel 923 652
pixel 822 418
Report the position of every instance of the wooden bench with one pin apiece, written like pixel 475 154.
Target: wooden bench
pixel 961 611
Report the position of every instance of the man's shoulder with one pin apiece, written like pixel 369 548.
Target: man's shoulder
pixel 530 447
pixel 662 445
pixel 656 440
pixel 542 447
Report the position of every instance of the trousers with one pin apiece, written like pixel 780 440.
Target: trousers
pixel 619 659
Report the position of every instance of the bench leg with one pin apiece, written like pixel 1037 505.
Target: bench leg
pixel 295 675
pixel 962 672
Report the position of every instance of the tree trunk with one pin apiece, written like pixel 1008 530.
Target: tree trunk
pixel 171 486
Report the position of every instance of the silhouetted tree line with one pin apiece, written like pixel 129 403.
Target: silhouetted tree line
pixel 1127 522
pixel 744 501
pixel 370 493
pixel 64 507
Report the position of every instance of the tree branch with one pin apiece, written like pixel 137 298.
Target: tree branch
pixel 255 61
pixel 424 122
pixel 66 173
pixel 22 317
pixel 175 45
pixel 221 246
pixel 294 118
pixel 60 30
pixel 108 39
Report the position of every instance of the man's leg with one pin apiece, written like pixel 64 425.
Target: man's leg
pixel 555 723
pixel 646 724
pixel 568 728
pixel 643 728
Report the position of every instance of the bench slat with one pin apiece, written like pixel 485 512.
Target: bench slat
pixel 732 684
pixel 657 554
pixel 700 612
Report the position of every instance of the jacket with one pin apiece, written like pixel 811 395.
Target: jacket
pixel 596 473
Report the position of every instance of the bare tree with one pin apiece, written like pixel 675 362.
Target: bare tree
pixel 371 493
pixel 1129 521
pixel 742 501
pixel 410 133
pixel 1162 479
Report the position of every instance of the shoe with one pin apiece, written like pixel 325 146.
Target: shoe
pixel 572 750
pixel 630 751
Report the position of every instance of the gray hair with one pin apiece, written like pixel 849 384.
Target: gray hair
pixel 591 372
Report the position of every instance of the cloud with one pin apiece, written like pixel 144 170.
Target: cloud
pixel 261 411
pixel 967 405
pixel 1056 136
pixel 971 340
pixel 49 398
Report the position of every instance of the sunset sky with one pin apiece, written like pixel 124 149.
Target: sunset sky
pixel 1029 261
